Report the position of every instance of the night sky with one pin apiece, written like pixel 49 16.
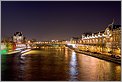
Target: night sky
pixel 57 20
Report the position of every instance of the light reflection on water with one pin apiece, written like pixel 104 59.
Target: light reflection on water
pixel 96 69
pixel 56 64
pixel 73 67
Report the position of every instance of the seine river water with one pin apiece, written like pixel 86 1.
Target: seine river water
pixel 57 64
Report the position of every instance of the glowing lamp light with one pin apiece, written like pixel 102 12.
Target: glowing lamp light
pixel 29 41
pixel 3 51
pixel 96 36
pixel 73 45
pixel 99 35
pixel 73 53
pixel 109 34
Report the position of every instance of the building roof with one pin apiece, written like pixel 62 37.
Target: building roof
pixel 102 31
pixel 18 33
pixel 88 33
pixel 114 27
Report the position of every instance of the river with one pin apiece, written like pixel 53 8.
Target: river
pixel 57 64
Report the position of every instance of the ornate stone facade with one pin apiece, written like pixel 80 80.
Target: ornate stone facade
pixel 105 42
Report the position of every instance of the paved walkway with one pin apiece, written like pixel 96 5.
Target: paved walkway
pixel 100 56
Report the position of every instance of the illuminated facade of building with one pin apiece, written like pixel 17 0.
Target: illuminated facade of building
pixel 52 42
pixel 105 42
pixel 18 37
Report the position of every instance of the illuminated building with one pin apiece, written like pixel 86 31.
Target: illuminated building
pixel 19 40
pixel 52 42
pixel 18 37
pixel 105 42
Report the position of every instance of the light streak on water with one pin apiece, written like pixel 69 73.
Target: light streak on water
pixel 73 68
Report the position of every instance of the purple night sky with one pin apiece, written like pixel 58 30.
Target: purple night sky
pixel 57 19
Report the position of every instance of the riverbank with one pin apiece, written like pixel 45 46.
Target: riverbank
pixel 11 52
pixel 98 55
pixel 16 51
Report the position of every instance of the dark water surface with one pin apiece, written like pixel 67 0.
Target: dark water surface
pixel 56 64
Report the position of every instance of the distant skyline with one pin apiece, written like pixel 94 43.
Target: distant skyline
pixel 52 20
